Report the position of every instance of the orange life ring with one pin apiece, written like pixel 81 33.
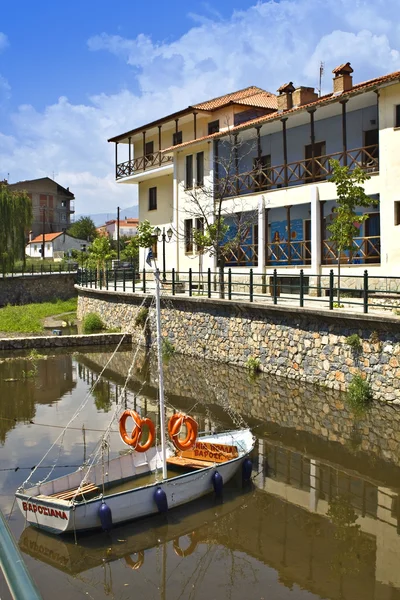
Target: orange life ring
pixel 175 425
pixel 135 565
pixel 187 551
pixel 134 439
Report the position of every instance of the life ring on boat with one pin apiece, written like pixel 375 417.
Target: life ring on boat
pixel 175 424
pixel 135 564
pixel 186 551
pixel 134 439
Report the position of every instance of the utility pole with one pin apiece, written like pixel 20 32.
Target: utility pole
pixel 43 227
pixel 118 209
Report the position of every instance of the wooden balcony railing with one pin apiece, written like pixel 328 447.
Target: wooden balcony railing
pixel 366 250
pixel 295 173
pixel 142 163
pixel 246 255
pixel 293 253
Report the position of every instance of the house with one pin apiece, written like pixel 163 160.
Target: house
pixel 56 245
pixel 270 154
pixel 52 204
pixel 127 228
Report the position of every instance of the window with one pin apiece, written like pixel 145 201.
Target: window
pixel 35 248
pixel 149 150
pixel 213 127
pixel 397 116
pixel 200 229
pixel 152 198
pixel 189 172
pixel 177 138
pixel 200 169
pixel 248 115
pixel 188 235
pixel 312 168
pixel 63 217
pixel 397 212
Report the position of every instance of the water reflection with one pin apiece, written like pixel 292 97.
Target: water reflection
pixel 322 522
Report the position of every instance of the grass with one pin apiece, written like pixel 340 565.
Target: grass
pixel 28 318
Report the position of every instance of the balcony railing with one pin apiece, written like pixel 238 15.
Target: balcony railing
pixel 366 250
pixel 303 171
pixel 142 163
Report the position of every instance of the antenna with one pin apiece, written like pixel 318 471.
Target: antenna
pixel 321 72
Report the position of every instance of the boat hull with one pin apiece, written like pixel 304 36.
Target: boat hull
pixel 61 516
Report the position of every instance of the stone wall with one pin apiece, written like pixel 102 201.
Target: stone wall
pixel 36 288
pixel 64 341
pixel 297 343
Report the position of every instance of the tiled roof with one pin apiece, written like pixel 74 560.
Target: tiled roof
pixel 327 99
pixel 252 94
pixel 261 100
pixel 48 237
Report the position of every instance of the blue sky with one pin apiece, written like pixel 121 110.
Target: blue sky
pixel 73 74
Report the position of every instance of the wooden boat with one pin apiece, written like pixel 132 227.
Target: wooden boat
pixel 143 481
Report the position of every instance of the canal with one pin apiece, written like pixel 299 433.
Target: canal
pixel 322 519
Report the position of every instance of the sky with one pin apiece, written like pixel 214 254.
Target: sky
pixel 73 74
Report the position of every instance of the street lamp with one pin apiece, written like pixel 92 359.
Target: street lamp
pixel 165 238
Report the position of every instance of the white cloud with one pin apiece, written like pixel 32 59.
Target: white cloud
pixel 266 45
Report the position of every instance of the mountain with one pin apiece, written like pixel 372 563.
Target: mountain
pixel 101 218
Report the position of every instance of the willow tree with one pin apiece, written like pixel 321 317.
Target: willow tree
pixel 15 221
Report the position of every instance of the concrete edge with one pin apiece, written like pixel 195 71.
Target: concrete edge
pixel 64 341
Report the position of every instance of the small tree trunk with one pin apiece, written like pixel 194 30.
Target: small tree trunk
pixel 338 271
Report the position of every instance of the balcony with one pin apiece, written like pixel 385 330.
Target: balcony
pixel 141 164
pixel 308 170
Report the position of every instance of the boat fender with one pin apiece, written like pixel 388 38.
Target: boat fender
pixel 105 517
pixel 218 483
pixel 160 498
pixel 247 467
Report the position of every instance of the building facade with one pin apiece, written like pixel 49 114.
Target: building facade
pixel 56 245
pixel 268 157
pixel 127 228
pixel 52 205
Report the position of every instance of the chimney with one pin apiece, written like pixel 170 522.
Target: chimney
pixel 285 96
pixel 343 81
pixel 30 236
pixel 304 95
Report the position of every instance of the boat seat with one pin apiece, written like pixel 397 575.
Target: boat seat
pixel 89 488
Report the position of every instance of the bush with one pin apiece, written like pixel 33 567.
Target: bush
pixel 354 341
pixel 141 317
pixel 168 349
pixel 359 394
pixel 92 323
pixel 253 365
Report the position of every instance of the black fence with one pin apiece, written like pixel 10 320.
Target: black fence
pixel 358 292
pixel 42 269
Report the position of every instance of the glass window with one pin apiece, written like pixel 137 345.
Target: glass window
pixel 188 235
pixel 189 172
pixel 213 127
pixel 200 169
pixel 177 138
pixel 152 198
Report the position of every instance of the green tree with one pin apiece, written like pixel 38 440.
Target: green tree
pixel 100 252
pixel 350 196
pixel 83 229
pixel 145 236
pixel 131 250
pixel 15 221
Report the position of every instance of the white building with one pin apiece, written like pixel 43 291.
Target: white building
pixel 278 177
pixel 127 228
pixel 56 245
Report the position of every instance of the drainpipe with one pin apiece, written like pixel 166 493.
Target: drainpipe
pixel 19 581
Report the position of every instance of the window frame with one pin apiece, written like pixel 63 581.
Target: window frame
pixel 188 236
pixel 200 168
pixel 213 127
pixel 189 172
pixel 397 115
pixel 177 138
pixel 199 226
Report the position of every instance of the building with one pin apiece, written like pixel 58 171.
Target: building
pixel 56 245
pixel 270 154
pixel 127 228
pixel 52 204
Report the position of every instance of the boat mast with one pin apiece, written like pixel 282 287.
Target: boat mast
pixel 160 376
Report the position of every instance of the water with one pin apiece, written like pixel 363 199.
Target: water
pixel 321 521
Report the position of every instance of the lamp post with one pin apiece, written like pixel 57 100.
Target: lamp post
pixel 164 237
pixel 83 254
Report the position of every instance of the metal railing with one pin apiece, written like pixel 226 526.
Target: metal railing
pixel 41 269
pixel 141 163
pixel 356 292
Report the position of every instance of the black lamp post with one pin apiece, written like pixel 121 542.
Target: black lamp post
pixel 83 254
pixel 165 238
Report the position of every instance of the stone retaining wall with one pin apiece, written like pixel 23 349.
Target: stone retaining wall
pixel 64 341
pixel 297 343
pixel 37 288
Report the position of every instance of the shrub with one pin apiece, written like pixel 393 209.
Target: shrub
pixel 141 317
pixel 253 365
pixel 359 394
pixel 92 323
pixel 168 349
pixel 354 341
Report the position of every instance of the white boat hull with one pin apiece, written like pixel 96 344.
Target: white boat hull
pixel 62 516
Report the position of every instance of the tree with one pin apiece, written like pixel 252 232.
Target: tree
pixel 83 229
pixel 222 230
pixel 100 252
pixel 350 195
pixel 15 221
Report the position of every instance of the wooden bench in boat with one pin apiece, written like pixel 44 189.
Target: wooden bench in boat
pixel 203 454
pixel 89 488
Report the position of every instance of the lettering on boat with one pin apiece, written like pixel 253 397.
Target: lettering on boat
pixel 215 452
pixel 44 510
